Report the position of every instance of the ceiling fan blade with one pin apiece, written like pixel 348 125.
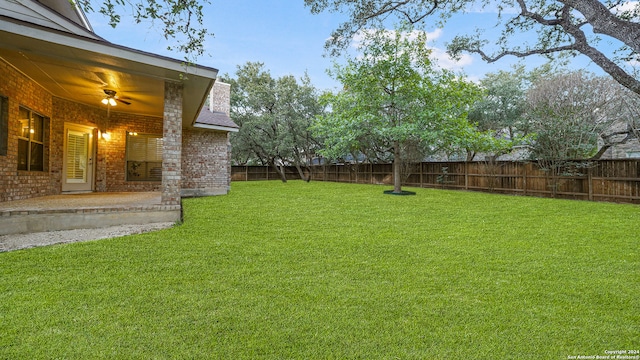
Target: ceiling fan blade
pixel 124 102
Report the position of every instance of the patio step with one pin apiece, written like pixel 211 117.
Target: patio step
pixel 29 221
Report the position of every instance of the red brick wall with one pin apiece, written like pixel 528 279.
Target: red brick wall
pixel 111 166
pixel 206 163
pixel 21 91
pixel 205 158
pixel 110 155
pixel 172 143
pixel 220 97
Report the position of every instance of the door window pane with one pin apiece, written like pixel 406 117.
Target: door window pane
pixel 77 154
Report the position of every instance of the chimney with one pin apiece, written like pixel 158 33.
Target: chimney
pixel 220 97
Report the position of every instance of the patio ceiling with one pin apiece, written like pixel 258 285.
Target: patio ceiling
pixel 80 69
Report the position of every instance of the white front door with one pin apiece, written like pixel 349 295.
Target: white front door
pixel 78 158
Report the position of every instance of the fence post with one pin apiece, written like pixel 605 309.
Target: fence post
pixel 524 177
pixel 370 173
pixel 466 175
pixel 590 183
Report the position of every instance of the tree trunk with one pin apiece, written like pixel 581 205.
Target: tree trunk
pixel 470 155
pixel 601 152
pixel 280 171
pixel 607 145
pixel 302 175
pixel 397 176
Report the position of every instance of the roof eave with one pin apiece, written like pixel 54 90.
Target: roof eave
pixel 215 127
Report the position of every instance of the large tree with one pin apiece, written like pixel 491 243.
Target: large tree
pixel 274 115
pixel 394 101
pixel 562 26
pixel 502 110
pixel 569 113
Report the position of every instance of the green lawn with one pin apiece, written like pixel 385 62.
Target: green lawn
pixel 337 271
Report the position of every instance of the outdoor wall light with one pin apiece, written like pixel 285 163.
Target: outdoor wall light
pixel 105 135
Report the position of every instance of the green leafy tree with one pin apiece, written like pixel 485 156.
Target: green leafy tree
pixel 394 101
pixel 566 27
pixel 501 111
pixel 503 107
pixel 274 116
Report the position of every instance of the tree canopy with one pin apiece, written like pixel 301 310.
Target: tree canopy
pixel 394 102
pixel 566 27
pixel 570 112
pixel 274 115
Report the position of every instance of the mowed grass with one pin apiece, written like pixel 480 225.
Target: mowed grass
pixel 337 271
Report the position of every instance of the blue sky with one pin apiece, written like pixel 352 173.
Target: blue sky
pixel 288 39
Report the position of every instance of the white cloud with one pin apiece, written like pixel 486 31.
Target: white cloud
pixel 634 63
pixel 490 8
pixel 360 36
pixel 627 6
pixel 445 61
pixel 439 55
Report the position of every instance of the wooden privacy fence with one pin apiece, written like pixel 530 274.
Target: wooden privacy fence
pixel 603 180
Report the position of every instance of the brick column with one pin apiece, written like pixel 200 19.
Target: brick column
pixel 172 144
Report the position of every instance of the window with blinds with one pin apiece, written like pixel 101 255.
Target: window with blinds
pixel 144 157
pixel 4 125
pixel 31 140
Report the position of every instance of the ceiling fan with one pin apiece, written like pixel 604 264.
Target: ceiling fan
pixel 111 98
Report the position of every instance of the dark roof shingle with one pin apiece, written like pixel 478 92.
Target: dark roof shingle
pixel 215 118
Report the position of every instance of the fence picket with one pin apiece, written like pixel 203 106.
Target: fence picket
pixel 605 180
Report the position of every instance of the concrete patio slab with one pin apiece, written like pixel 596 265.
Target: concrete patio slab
pixel 84 211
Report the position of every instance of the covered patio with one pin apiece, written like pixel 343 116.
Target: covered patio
pixel 94 134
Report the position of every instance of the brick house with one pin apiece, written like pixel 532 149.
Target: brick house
pixel 80 114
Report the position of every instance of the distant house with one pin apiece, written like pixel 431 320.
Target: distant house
pixel 80 114
pixel 620 141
